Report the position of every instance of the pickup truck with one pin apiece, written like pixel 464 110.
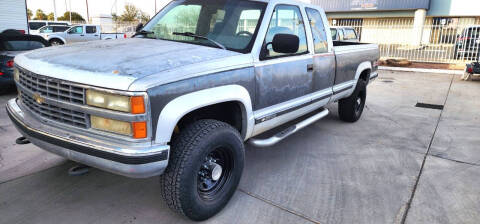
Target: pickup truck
pixel 80 33
pixel 180 101
pixel 347 34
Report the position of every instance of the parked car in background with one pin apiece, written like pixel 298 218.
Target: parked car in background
pixel 179 101
pixel 11 46
pixel 81 33
pixel 53 29
pixel 468 43
pixel 35 25
pixel 13 15
pixel 347 34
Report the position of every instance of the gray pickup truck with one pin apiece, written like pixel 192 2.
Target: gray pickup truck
pixel 180 99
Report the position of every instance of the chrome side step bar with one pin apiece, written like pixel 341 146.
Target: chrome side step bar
pixel 287 132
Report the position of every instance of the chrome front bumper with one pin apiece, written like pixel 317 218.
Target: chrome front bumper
pixel 123 159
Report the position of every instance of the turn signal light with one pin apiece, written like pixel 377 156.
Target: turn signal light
pixel 137 104
pixel 139 129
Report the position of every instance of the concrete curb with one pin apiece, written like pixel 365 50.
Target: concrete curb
pixel 423 70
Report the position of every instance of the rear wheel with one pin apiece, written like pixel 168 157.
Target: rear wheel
pixel 350 109
pixel 204 170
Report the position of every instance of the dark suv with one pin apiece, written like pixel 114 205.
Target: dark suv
pixel 468 43
pixel 12 45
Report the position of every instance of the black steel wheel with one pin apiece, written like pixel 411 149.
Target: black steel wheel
pixel 205 166
pixel 350 109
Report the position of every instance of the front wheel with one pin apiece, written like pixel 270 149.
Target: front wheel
pixel 204 170
pixel 56 42
pixel 350 109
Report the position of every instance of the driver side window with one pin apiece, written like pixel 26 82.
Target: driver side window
pixel 76 30
pixel 286 19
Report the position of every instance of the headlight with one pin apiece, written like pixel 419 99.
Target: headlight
pixel 137 130
pixel 109 125
pixel 16 74
pixel 134 104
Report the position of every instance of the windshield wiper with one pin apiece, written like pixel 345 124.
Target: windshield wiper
pixel 143 32
pixel 189 34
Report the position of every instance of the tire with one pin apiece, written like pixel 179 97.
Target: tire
pixel 350 109
pixel 56 42
pixel 188 184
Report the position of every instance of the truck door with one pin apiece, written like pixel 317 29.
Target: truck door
pixel 323 58
pixel 75 34
pixel 91 33
pixel 283 77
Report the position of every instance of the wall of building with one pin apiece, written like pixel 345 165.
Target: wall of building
pixel 454 8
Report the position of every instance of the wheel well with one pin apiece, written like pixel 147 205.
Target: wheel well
pixel 53 39
pixel 228 112
pixel 365 75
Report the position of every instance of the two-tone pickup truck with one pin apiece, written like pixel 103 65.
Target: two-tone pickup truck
pixel 180 99
pixel 80 33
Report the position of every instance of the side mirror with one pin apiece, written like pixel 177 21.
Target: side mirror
pixel 285 43
pixel 139 27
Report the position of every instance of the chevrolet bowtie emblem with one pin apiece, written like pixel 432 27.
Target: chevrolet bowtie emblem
pixel 39 99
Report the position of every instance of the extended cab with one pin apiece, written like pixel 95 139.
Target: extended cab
pixel 80 33
pixel 180 98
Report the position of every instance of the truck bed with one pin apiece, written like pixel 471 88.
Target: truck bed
pixel 349 56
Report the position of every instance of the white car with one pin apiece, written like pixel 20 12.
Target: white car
pixel 35 25
pixel 81 33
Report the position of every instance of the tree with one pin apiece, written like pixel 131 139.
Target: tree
pixel 50 16
pixel 40 15
pixel 75 17
pixel 130 14
pixel 29 14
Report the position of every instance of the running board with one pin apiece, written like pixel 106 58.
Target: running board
pixel 287 132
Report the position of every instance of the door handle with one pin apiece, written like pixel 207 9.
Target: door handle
pixel 310 67
pixel 82 35
pixel 96 35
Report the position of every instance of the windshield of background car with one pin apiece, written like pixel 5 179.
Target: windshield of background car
pixel 22 45
pixel 232 23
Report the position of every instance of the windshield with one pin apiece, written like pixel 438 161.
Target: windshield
pixel 231 23
pixel 22 45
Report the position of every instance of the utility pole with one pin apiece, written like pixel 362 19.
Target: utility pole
pixel 155 7
pixel 70 1
pixel 54 11
pixel 88 16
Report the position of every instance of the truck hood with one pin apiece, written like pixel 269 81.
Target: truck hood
pixel 116 64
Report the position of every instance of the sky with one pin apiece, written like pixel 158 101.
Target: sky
pixel 95 7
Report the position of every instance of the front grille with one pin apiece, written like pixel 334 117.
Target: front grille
pixel 53 88
pixel 55 113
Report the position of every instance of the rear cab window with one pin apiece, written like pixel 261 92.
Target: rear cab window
pixel 91 29
pixel 22 45
pixel 318 30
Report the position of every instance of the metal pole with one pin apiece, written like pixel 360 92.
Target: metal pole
pixel 66 8
pixel 88 16
pixel 54 11
pixel 70 2
pixel 155 7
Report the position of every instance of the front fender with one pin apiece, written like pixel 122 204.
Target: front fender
pixel 182 105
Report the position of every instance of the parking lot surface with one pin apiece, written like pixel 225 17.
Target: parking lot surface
pixel 398 164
